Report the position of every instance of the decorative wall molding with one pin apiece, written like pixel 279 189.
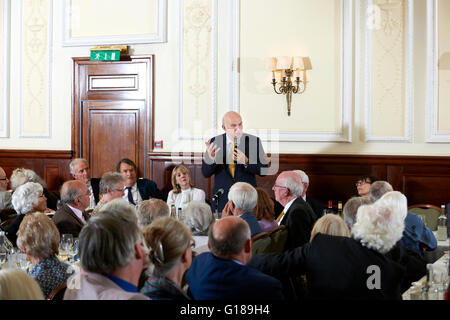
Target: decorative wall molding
pixel 368 70
pixel 346 54
pixel 432 88
pixel 158 37
pixel 31 51
pixel 213 45
pixel 4 61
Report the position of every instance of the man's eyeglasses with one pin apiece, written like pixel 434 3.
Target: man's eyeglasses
pixel 3 179
pixel 277 186
pixel 361 182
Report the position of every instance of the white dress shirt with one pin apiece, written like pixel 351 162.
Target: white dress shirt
pixel 91 196
pixel 135 193
pixel 78 213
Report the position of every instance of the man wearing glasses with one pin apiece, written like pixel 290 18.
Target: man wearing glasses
pixel 5 195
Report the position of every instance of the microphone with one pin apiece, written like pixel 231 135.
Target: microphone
pixel 217 194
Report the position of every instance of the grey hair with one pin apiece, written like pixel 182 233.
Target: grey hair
pixel 233 242
pixel 351 208
pixel 74 162
pixel 21 175
pixel 109 181
pixel 107 242
pixel 25 196
pixel 198 217
pixel 244 196
pixel 303 176
pixel 122 208
pixel 151 209
pixel 294 187
pixel 70 194
pixel 378 189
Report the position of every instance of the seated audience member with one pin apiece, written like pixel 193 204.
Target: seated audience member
pixel 264 211
pixel 183 190
pixel 222 274
pixel 122 208
pixel 297 216
pixel 242 201
pixel 20 176
pixel 363 186
pixel 332 225
pixel 5 194
pixel 170 244
pixel 79 169
pixel 71 215
pixel 351 208
pixel 199 218
pixel 340 267
pixel 316 205
pixel 111 187
pixel 39 238
pixel 18 285
pixel 112 271
pixel 416 234
pixel 26 199
pixel 150 210
pixel 137 190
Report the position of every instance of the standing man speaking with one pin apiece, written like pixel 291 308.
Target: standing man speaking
pixel 232 157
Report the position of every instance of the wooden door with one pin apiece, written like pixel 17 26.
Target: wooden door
pixel 112 113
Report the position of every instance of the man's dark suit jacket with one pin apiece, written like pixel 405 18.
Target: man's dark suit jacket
pixel 67 222
pixel 212 278
pixel 251 146
pixel 250 218
pixel 316 205
pixel 336 268
pixel 299 221
pixel 147 189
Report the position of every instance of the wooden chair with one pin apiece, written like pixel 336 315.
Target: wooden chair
pixel 5 224
pixel 428 212
pixel 58 292
pixel 273 241
pixel 259 236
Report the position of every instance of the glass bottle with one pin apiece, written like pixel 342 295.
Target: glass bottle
pixel 3 249
pixel 339 210
pixel 442 225
pixel 330 208
pixel 172 211
pixel 179 214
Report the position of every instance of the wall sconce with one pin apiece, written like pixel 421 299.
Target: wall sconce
pixel 284 68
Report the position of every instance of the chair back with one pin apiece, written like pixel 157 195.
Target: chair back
pixel 5 224
pixel 58 292
pixel 259 236
pixel 273 242
pixel 429 214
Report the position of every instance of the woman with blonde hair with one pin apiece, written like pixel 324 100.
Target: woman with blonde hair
pixel 17 285
pixel 264 211
pixel 39 238
pixel 183 190
pixel 332 225
pixel 170 252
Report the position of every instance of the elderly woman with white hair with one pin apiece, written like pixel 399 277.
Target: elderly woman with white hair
pixel 39 238
pixel 26 199
pixel 338 267
pixel 199 218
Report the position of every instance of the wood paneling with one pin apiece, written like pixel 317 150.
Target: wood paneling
pixel 333 177
pixel 52 166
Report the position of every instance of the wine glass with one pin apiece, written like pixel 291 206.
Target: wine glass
pixel 66 246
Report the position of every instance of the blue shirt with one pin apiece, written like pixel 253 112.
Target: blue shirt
pixel 416 232
pixel 125 285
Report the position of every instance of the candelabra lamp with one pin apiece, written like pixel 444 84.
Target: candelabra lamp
pixel 284 69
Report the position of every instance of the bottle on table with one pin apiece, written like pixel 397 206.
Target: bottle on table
pixel 442 225
pixel 172 211
pixel 329 209
pixel 179 214
pixel 339 210
pixel 3 249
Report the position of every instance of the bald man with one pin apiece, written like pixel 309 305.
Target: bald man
pixel 222 274
pixel 71 216
pixel 232 157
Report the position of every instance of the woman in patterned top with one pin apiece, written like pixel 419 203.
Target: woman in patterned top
pixel 170 243
pixel 39 238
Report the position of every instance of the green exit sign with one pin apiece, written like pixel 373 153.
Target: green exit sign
pixel 105 55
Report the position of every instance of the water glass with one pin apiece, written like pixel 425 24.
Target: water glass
pixel 66 245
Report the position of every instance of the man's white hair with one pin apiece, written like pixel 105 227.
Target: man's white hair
pixel 303 176
pixel 244 196
pixel 380 225
pixel 294 186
